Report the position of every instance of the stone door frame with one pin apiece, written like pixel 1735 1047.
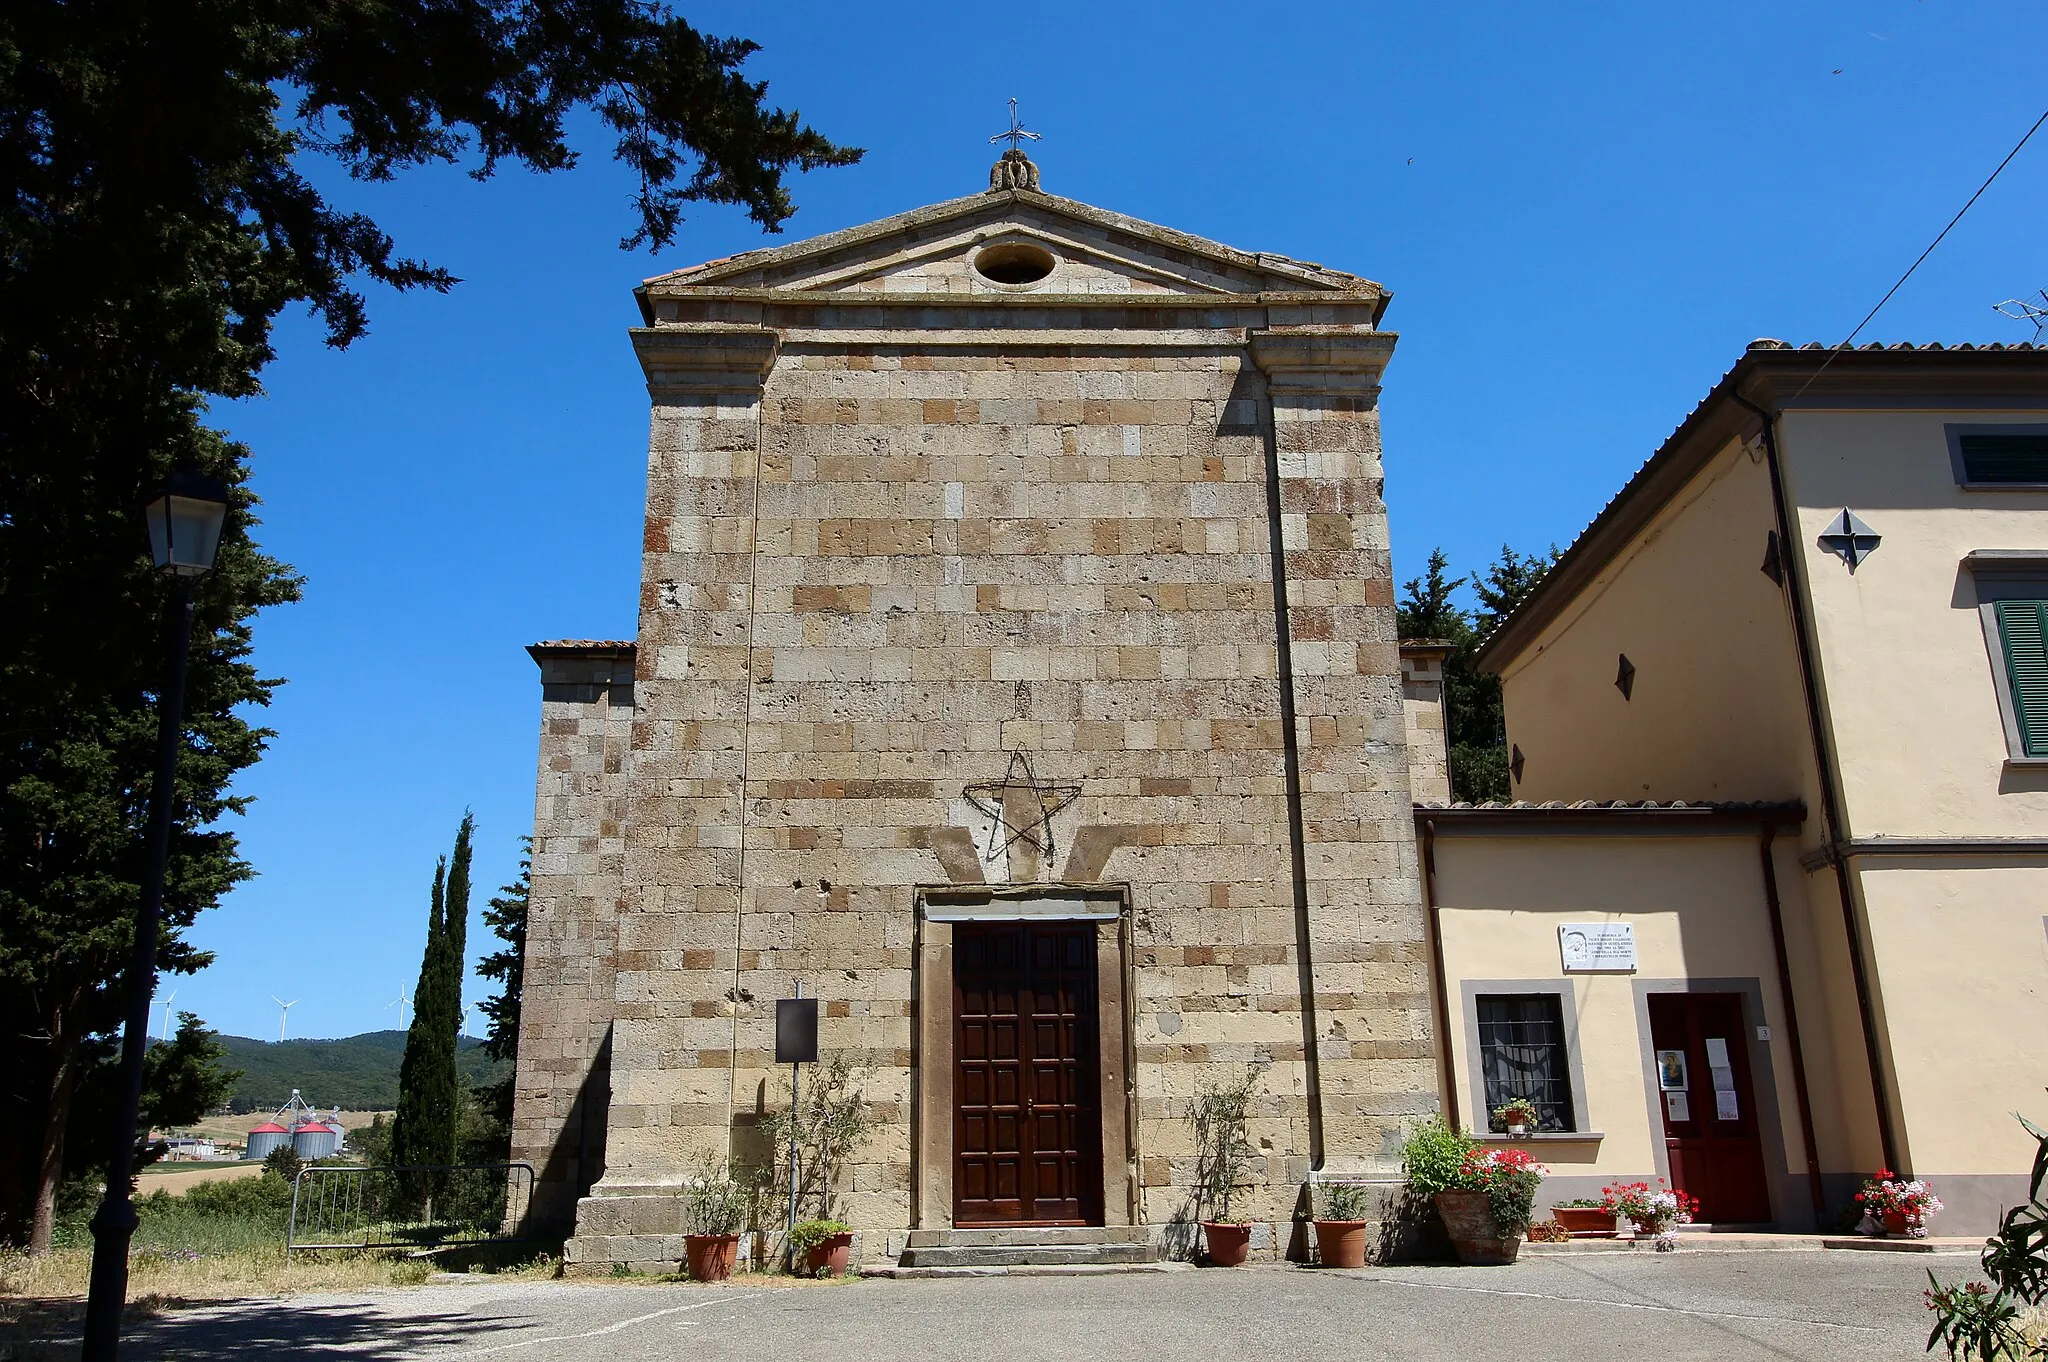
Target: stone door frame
pixel 939 906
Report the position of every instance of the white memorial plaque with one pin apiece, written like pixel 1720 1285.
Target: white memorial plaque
pixel 1592 946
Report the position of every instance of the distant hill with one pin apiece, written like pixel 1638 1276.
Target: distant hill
pixel 358 1073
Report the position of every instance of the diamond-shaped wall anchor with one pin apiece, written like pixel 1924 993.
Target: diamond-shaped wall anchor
pixel 1625 678
pixel 1849 537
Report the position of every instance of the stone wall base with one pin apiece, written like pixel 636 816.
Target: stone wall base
pixel 645 1232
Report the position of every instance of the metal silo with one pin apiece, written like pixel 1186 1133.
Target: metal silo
pixel 313 1139
pixel 265 1138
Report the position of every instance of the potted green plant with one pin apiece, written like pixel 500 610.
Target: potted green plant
pixel 1223 1162
pixel 1485 1196
pixel 1517 1116
pixel 819 1247
pixel 1586 1218
pixel 715 1206
pixel 1340 1229
pixel 813 1141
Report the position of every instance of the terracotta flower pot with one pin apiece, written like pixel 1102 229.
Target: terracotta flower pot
pixel 1228 1243
pixel 1898 1223
pixel 1341 1243
pixel 827 1257
pixel 1468 1216
pixel 1585 1222
pixel 711 1256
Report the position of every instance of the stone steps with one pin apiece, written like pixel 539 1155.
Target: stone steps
pixel 1063 1246
pixel 1026 1270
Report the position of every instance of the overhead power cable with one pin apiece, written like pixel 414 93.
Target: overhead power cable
pixel 1850 339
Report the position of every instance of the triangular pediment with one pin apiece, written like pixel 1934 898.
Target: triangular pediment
pixel 947 248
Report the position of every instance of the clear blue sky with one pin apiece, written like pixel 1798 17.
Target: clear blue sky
pixel 1584 215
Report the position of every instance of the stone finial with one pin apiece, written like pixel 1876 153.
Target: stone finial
pixel 1014 171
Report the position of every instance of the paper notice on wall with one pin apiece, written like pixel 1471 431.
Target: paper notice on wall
pixel 1677 1107
pixel 1717 1052
pixel 1725 1107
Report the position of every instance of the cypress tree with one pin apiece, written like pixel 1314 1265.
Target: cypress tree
pixel 423 1091
pixel 424 1129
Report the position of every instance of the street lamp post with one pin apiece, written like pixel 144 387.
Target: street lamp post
pixel 185 522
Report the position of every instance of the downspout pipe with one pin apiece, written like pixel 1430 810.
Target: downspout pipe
pixel 1431 909
pixel 1297 831
pixel 1792 1041
pixel 1834 833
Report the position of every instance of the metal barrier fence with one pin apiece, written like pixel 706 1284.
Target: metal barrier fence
pixel 412 1206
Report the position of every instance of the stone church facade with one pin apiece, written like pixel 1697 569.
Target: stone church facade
pixel 1017 674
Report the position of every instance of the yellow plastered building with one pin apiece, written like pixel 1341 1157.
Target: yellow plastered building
pixel 1767 911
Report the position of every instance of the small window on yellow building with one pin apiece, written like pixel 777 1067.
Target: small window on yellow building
pixel 1522 1054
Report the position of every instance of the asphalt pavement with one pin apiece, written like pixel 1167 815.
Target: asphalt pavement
pixel 1581 1308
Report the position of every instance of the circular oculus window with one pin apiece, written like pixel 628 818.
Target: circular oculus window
pixel 1014 263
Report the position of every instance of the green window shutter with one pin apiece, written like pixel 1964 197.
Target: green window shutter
pixel 2023 632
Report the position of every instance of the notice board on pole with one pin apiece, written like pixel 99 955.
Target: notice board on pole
pixel 796 1030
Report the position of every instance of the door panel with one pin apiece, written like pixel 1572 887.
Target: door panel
pixel 1027 1120
pixel 1711 1134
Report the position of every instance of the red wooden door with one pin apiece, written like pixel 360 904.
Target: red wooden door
pixel 1026 1124
pixel 1710 1122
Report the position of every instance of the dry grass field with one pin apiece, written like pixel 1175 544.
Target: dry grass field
pixel 179 1178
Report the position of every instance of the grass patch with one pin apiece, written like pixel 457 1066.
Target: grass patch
pixel 222 1240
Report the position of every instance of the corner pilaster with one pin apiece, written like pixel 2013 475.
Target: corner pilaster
pixel 1363 926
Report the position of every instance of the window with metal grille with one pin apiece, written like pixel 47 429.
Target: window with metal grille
pixel 1521 1054
pixel 2023 638
pixel 2004 458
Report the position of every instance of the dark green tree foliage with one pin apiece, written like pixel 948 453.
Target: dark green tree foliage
pixel 426 1085
pixel 83 618
pixel 505 915
pixel 153 223
pixel 1475 724
pixel 423 1132
pixel 182 1081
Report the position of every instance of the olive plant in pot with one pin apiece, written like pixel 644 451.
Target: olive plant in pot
pixel 1341 1228
pixel 819 1247
pixel 1223 1163
pixel 715 1205
pixel 813 1140
pixel 1485 1196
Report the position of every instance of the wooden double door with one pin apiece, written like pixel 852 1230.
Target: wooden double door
pixel 1027 1112
pixel 1711 1131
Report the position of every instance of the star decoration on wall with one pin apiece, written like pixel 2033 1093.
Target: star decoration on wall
pixel 1848 536
pixel 1020 806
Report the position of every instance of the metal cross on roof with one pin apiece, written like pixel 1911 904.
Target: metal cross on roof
pixel 1017 133
pixel 1020 806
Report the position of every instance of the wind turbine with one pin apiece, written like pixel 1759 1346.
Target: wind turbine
pixel 284 1011
pixel 399 1002
pixel 167 1012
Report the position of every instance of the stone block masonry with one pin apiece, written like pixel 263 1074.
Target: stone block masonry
pixel 893 538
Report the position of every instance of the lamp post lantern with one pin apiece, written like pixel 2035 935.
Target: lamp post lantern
pixel 185 521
